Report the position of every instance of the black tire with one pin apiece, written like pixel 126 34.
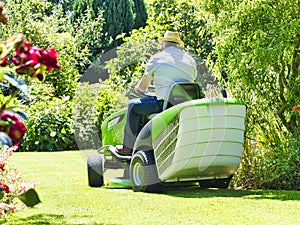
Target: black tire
pixel 143 173
pixel 95 171
pixel 216 183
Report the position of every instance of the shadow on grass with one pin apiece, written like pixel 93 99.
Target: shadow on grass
pixel 196 192
pixel 42 219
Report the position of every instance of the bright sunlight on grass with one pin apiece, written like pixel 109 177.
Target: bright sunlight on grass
pixel 67 199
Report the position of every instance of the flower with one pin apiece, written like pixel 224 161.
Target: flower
pixel 294 108
pixel 49 58
pixel 34 61
pixel 4 188
pixel 16 130
pixel 30 61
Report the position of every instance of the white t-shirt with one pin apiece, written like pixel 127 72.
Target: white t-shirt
pixel 168 67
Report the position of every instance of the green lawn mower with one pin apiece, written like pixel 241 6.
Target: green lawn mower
pixel 193 139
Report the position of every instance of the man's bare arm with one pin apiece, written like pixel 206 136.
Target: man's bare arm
pixel 143 84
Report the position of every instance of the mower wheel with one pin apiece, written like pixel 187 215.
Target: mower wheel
pixel 95 171
pixel 143 172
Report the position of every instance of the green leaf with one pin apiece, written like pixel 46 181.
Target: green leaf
pixel 1 194
pixel 30 198
pixel 3 71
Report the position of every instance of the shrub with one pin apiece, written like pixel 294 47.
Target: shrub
pixel 91 105
pixel 271 158
pixel 49 127
pixel 84 115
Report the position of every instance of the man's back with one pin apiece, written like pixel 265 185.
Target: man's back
pixel 170 66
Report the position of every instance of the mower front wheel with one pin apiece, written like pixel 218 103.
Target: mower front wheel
pixel 143 172
pixel 95 171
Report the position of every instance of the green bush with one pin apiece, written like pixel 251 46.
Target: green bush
pixel 271 157
pixel 84 115
pixel 90 106
pixel 49 127
pixel 111 100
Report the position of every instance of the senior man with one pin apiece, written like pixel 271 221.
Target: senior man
pixel 165 68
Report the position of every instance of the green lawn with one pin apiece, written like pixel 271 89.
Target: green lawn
pixel 67 199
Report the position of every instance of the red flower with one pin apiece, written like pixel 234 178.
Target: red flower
pixel 294 108
pixel 3 61
pixel 34 61
pixel 16 130
pixel 49 58
pixel 4 188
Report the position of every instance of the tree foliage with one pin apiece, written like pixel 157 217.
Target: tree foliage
pixel 257 44
pixel 120 16
pixel 140 13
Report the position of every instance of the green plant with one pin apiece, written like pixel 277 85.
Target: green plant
pixel 140 13
pixel 119 17
pixel 270 158
pixel 85 114
pixel 245 35
pixel 88 32
pixel 50 126
pixel 257 47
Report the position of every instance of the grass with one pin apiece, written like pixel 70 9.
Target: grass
pixel 67 199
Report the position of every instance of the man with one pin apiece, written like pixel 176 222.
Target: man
pixel 165 68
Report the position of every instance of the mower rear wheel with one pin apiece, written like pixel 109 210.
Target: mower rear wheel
pixel 143 172
pixel 95 171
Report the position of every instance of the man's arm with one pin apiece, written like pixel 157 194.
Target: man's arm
pixel 143 84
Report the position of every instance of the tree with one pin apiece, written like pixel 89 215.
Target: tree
pixel 80 7
pixel 121 16
pixel 118 17
pixel 140 13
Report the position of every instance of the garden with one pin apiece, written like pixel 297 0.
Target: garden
pixel 67 65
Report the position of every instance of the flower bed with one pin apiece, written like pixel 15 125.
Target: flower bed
pixel 19 61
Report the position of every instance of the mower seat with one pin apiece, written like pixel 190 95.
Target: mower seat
pixel 182 92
